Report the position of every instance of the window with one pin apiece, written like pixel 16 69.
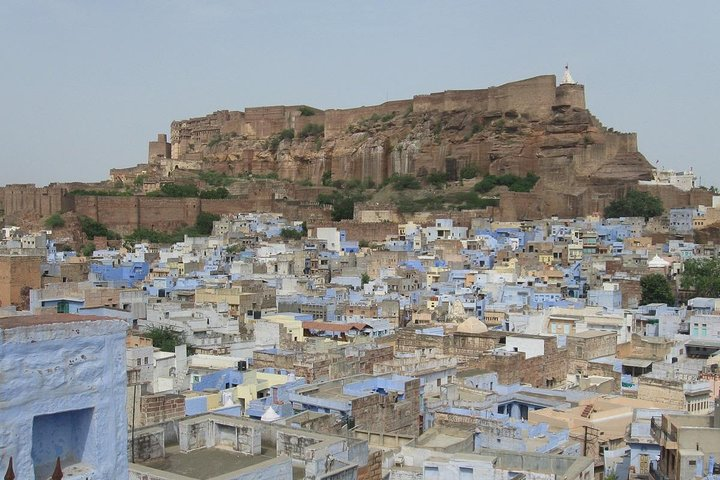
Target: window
pixel 139 362
pixel 432 473
pixel 439 382
pixel 466 473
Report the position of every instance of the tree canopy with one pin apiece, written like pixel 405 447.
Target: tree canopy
pixel 165 338
pixel 635 204
pixel 703 276
pixel 656 289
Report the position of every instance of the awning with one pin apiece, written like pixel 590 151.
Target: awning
pixel 636 362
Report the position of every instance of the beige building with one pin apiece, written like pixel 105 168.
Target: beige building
pixel 687 445
pixel 18 273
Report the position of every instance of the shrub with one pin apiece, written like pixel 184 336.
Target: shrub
pixel 153 236
pixel 139 180
pixel 216 179
pixel 87 249
pixel 343 202
pixel 54 221
pixel 468 171
pixel 290 234
pixel 312 129
pixel 274 141
pixel 267 176
pixel 214 141
pixel 306 111
pixel 513 182
pixel 204 222
pixel 175 190
pixel 326 179
pixel 635 204
pixel 437 179
pixel 404 182
pixel 524 184
pixel 92 229
pixel 220 192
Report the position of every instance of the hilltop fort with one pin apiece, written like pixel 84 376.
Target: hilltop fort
pixel 282 157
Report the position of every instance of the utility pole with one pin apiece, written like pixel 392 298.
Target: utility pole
pixel 589 432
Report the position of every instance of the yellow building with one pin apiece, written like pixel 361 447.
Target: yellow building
pixel 238 302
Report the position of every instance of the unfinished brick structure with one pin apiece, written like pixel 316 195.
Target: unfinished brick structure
pixel 154 409
pixel 544 370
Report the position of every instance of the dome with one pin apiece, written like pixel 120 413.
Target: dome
pixel 270 415
pixel 472 325
pixel 658 262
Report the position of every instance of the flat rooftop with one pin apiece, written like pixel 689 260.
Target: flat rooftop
pixel 47 319
pixel 206 463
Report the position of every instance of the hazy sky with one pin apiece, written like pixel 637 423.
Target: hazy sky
pixel 85 84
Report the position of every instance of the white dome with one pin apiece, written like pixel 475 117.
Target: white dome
pixel 270 415
pixel 472 325
pixel 658 262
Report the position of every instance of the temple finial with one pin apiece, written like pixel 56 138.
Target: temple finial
pixel 567 78
pixel 57 474
pixel 10 474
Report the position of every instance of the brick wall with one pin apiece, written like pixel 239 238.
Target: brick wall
pixel 541 371
pixel 159 408
pixel 373 470
pixel 16 273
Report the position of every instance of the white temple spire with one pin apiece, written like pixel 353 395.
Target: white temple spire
pixel 567 78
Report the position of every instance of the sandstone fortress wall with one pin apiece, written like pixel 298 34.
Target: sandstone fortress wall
pixel 531 125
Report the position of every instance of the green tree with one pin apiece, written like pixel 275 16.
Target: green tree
pixel 87 249
pixel 165 338
pixel 656 289
pixel 54 221
pixel 92 229
pixel 364 278
pixel 204 222
pixel 290 234
pixel 327 178
pixel 703 276
pixel 635 204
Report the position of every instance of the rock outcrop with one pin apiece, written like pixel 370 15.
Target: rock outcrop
pixel 532 125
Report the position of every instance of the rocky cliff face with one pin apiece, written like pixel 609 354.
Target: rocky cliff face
pixel 527 126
